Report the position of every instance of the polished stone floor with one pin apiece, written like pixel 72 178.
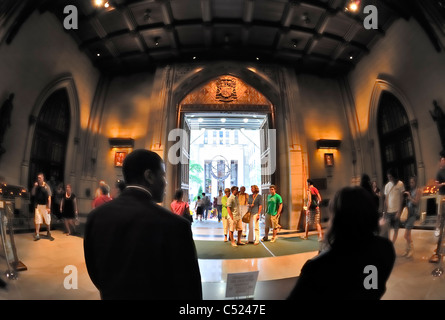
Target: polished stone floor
pixel 46 262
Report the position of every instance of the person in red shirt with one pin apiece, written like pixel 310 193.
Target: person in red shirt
pixel 313 210
pixel 103 198
pixel 179 207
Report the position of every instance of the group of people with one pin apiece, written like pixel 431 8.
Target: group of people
pixel 62 204
pixel 395 198
pixel 169 244
pixel 236 204
pixel 65 205
pixel 354 226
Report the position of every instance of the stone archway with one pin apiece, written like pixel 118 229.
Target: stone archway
pixel 66 83
pixel 181 80
pixel 380 87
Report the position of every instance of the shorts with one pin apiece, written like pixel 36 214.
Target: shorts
pixel 391 220
pixel 313 216
pixel 409 224
pixel 235 225
pixel 272 221
pixel 42 214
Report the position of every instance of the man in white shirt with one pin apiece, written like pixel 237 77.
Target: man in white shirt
pixel 392 207
pixel 234 217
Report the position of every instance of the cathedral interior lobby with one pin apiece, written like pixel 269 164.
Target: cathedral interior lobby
pixel 228 93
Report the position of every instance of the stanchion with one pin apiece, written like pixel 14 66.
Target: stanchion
pixel 7 237
pixel 438 271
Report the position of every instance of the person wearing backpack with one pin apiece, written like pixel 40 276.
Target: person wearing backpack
pixel 313 210
pixel 42 195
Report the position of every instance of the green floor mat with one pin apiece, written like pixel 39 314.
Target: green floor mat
pixel 283 246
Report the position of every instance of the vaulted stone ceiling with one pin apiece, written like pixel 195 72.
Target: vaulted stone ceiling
pixel 317 36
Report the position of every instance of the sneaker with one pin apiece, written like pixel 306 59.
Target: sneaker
pixel 36 237
pixel 273 240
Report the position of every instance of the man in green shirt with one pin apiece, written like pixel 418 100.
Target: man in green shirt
pixel 274 207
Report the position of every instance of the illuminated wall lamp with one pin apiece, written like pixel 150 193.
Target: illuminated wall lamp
pixel 121 142
pixel 328 144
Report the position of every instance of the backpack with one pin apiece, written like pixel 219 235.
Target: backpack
pixel 314 199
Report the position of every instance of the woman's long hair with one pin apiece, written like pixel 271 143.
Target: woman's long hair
pixel 353 218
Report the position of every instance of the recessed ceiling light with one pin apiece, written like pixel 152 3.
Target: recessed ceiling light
pixel 245 120
pixel 98 3
pixel 353 5
pixel 223 120
pixel 194 57
pixel 257 58
pixel 98 54
pixel 200 120
pixel 106 5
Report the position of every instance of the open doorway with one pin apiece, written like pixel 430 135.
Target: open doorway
pixel 225 150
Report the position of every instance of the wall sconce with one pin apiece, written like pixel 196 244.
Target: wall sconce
pixel 121 142
pixel 328 144
pixel 121 147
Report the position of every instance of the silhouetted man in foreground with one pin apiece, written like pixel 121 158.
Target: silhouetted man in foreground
pixel 136 249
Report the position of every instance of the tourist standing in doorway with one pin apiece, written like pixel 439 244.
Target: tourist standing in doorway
pixel 412 202
pixel 207 205
pixel 235 223
pixel 392 207
pixel 42 195
pixel 219 205
pixel 199 208
pixel 68 209
pixel 274 208
pixel 224 213
pixel 255 207
pixel 243 198
pixel 313 210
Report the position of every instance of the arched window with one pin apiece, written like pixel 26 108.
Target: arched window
pixel 396 141
pixel 50 138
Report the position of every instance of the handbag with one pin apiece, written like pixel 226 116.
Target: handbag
pixel 246 217
pixel 404 215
